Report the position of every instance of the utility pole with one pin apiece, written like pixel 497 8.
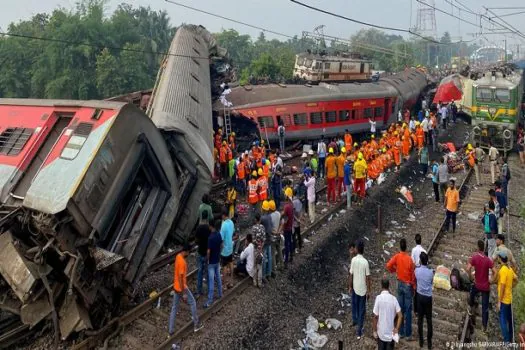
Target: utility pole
pixel 505 50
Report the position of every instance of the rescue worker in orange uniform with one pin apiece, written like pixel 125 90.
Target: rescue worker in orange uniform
pixel 262 185
pixel 348 140
pixel 253 195
pixel 373 142
pixel 231 141
pixel 241 175
pixel 331 174
pixel 340 162
pixel 420 136
pixel 223 159
pixel 397 151
pixel 406 147
pixel 372 170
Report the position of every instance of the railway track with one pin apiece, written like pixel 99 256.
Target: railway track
pixel 151 316
pixel 452 323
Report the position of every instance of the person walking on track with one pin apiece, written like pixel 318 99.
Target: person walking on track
pixel 360 170
pixel 403 266
pixel 181 291
pixel 321 153
pixel 451 205
pixel 359 287
pixel 384 324
pixel 506 278
pixel 331 174
pixel 424 278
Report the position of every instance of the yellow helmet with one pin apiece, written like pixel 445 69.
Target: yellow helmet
pixel 220 130
pixel 360 155
pixel 418 123
pixel 330 150
pixel 373 136
pixel 355 144
pixel 272 204
pixel 224 143
pixel 265 205
pixel 233 133
pixel 343 150
pixel 262 142
pixel 384 149
pixel 469 147
pixel 288 192
pixel 254 173
pixel 404 125
pixel 260 172
pixel 396 133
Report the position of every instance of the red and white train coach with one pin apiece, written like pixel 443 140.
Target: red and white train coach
pixel 308 112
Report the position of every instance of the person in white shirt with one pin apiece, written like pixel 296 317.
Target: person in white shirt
pixel 359 287
pixel 309 182
pixel 372 126
pixel 424 125
pixel 412 124
pixel 321 152
pixel 246 262
pixel 399 116
pixel 493 158
pixel 386 308
pixel 424 104
pixel 444 113
pixel 416 251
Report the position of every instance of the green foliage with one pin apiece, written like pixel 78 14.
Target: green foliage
pixel 74 70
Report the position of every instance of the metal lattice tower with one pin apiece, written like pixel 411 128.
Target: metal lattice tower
pixel 426 19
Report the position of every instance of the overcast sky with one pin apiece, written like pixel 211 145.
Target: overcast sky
pixel 286 17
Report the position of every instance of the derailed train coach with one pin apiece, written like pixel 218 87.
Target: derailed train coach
pixel 90 190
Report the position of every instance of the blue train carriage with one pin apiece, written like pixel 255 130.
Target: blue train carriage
pixel 496 107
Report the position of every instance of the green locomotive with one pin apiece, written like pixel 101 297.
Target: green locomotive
pixel 496 107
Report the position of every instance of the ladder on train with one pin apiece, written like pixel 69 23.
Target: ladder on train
pixel 227 122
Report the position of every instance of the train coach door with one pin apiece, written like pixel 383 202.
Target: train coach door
pixel 388 111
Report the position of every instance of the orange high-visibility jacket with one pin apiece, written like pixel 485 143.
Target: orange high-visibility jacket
pixel 223 154
pixel 348 142
pixel 262 184
pixel 253 196
pixel 340 162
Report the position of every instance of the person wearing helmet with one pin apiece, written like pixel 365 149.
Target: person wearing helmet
pixel 313 161
pixel 231 141
pixel 253 195
pixel 471 161
pixel 340 163
pixel 287 218
pixel 223 159
pixel 331 174
pixel 262 186
pixel 266 221
pixel 348 181
pixel 231 199
pixel 360 171
pixel 231 168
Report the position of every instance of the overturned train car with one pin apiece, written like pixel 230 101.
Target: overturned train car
pixel 90 190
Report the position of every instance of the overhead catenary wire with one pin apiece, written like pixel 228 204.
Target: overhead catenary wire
pixel 376 25
pixel 229 19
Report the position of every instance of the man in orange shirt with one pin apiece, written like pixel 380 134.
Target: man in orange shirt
pixel 223 159
pixel 404 267
pixel 340 162
pixel 331 174
pixel 451 205
pixel 181 291
pixel 406 147
pixel 420 136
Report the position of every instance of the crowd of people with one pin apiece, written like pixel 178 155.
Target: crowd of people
pixel 257 177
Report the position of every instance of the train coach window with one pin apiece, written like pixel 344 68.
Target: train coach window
pixel 266 122
pixel 502 95
pixel 367 113
pixel 330 117
pixel 483 94
pixel 316 118
pixel 378 112
pixel 300 119
pixel 327 65
pixel 285 119
pixel 344 115
pixel 13 140
pixel 76 141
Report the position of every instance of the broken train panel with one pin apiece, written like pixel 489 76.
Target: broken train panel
pixel 88 194
pixel 181 107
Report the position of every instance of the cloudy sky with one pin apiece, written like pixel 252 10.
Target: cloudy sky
pixel 286 17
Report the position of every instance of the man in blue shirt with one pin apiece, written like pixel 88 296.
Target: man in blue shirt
pixel 502 201
pixel 213 255
pixel 435 182
pixel 424 277
pixel 348 181
pixel 227 230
